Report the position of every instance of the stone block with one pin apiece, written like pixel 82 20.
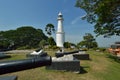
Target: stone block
pixel 81 56
pixel 73 65
pixel 44 54
pixel 8 78
pixel 2 56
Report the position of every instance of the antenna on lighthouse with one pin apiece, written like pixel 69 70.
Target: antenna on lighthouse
pixel 60 34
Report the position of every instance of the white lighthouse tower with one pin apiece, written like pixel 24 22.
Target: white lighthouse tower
pixel 60 35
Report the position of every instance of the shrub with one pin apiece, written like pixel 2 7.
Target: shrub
pixel 102 49
pixel 24 47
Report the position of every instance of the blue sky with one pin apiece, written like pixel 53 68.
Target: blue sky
pixel 38 13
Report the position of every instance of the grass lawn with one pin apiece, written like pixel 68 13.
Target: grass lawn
pixel 100 67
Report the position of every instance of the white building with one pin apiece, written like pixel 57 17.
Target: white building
pixel 60 35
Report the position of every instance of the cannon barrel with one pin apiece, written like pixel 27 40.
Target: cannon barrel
pixel 60 54
pixel 18 65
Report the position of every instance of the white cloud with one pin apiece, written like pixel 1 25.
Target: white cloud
pixel 76 20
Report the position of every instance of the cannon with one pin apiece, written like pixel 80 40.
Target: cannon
pixel 60 54
pixel 18 65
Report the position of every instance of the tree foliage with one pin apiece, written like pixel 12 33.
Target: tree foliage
pixel 42 43
pixel 88 41
pixel 4 44
pixel 23 36
pixel 51 41
pixel 50 29
pixel 105 14
pixel 67 44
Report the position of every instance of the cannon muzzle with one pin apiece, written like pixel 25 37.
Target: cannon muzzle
pixel 18 65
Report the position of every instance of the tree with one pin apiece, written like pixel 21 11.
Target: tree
pixel 88 41
pixel 67 44
pixel 51 41
pixel 105 14
pixel 4 44
pixel 50 29
pixel 81 44
pixel 42 43
pixel 25 36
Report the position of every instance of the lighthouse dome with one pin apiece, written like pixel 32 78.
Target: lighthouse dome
pixel 60 13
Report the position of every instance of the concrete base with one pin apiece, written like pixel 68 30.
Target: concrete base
pixel 2 56
pixel 8 78
pixel 81 56
pixel 37 56
pixel 73 65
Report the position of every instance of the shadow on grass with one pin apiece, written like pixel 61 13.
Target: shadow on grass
pixel 82 70
pixel 113 57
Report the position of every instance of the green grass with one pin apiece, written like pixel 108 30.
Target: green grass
pixel 100 67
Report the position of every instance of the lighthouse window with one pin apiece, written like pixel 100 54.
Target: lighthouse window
pixel 60 15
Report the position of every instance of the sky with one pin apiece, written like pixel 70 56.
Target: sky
pixel 38 13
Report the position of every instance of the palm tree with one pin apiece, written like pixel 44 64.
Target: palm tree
pixel 50 29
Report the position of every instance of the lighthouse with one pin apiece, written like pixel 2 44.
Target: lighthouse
pixel 60 34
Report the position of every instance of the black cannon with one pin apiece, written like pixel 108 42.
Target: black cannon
pixel 18 65
pixel 60 54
